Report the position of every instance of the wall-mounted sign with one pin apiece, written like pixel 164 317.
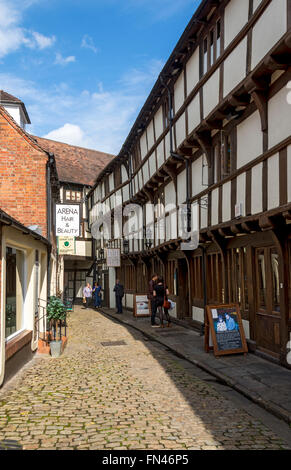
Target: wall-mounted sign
pixel 142 306
pixel 67 220
pixel 224 328
pixel 113 257
pixel 66 246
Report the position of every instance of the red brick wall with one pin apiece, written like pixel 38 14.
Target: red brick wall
pixel 22 178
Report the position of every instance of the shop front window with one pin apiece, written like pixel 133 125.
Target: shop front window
pixel 15 291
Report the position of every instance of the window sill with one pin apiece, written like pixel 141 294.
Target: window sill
pixel 17 343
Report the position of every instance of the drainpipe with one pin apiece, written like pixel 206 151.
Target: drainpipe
pixel 204 286
pixel 49 219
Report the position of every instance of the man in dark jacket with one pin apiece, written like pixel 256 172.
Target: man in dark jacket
pixel 151 298
pixel 119 293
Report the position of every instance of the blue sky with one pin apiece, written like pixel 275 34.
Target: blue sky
pixel 85 67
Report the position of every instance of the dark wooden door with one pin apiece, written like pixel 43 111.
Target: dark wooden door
pixel 182 290
pixel 267 301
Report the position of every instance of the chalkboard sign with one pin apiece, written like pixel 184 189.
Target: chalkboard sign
pixel 226 328
pixel 68 303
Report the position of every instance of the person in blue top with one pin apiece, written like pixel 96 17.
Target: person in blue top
pixel 230 323
pixel 97 295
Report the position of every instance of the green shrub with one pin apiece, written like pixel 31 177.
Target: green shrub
pixel 56 309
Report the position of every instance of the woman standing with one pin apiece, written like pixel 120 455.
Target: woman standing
pixel 97 295
pixel 160 294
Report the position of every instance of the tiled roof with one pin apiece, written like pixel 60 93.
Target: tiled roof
pixel 75 164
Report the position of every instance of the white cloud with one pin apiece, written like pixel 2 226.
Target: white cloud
pixel 13 35
pixel 100 119
pixel 69 134
pixel 88 43
pixel 60 60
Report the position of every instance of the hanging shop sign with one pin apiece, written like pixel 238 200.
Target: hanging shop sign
pixel 113 258
pixel 66 246
pixel 224 329
pixel 142 306
pixel 67 220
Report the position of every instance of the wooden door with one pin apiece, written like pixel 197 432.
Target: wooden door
pixel 182 290
pixel 267 301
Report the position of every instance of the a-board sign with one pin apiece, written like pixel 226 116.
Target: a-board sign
pixel 142 306
pixel 224 324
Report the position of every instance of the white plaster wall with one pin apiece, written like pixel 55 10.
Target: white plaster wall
pixel 159 125
pixel 279 117
pixel 211 93
pixel 268 30
pixel 257 188
pixel 197 176
pixel 129 300
pixel 289 172
pixel 241 192
pixel 125 193
pixel 167 145
pixel 150 133
pixel 179 93
pixel 14 111
pixel 214 206
pixel 273 182
pixel 181 187
pixel 160 154
pixel 226 201
pixel 198 314
pixel 249 139
pixel 256 4
pixel 111 182
pixel 124 175
pixel 194 113
pixel 145 170
pixel 235 67
pixel 140 181
pixel 203 217
pixel 192 71
pixel 180 130
pixel 170 195
pixel 152 164
pixel 236 16
pixel 143 145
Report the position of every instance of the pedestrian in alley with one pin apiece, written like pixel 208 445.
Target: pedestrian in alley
pixel 97 295
pixel 87 295
pixel 119 293
pixel 160 294
pixel 152 283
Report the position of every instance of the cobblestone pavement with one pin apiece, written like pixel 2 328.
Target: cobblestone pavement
pixel 130 396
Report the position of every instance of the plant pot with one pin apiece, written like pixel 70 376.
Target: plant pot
pixel 56 348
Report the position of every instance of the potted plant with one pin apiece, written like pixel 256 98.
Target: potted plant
pixel 56 314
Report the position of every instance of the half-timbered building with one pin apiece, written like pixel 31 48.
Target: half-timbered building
pixel 213 136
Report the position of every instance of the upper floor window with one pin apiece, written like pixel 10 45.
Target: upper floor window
pixel 211 47
pixel 224 156
pixel 167 113
pixel 74 196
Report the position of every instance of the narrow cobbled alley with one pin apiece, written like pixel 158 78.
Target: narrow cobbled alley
pixel 112 389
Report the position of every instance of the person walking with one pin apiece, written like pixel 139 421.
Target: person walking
pixel 97 295
pixel 87 294
pixel 160 294
pixel 151 299
pixel 119 293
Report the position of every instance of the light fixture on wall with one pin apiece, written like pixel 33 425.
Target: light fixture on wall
pixel 125 246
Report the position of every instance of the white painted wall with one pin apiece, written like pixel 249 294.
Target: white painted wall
pixel 249 139
pixel 257 188
pixel 197 186
pixel 289 172
pixel 194 113
pixel 160 154
pixel 152 164
pixel 170 195
pixel 124 175
pixel 192 71
pixel 143 145
pixel 236 16
pixel 274 22
pixel 211 93
pixel 241 192
pixel 150 133
pixel 180 130
pixel 256 4
pixel 273 182
pixel 235 67
pixel 279 117
pixel 198 314
pixel 181 187
pixel 145 170
pixel 226 201
pixel 179 93
pixel 214 206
